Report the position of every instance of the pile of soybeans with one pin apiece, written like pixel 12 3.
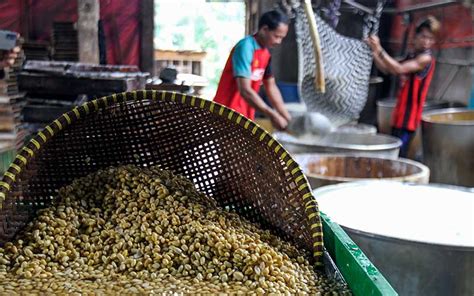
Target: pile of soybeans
pixel 129 229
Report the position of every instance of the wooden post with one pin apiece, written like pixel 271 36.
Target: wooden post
pixel 147 58
pixel 88 30
pixel 251 16
pixel 25 14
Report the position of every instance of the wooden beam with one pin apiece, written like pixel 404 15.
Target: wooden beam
pixel 422 7
pixel 88 30
pixel 147 10
pixel 161 54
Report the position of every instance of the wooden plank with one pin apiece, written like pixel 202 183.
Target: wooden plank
pixel 147 10
pixel 88 30
pixel 188 55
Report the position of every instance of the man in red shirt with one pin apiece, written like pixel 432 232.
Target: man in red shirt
pixel 248 65
pixel 416 72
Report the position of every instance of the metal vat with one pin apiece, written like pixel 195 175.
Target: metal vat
pixel 356 128
pixel 385 108
pixel 323 169
pixel 420 237
pixel 368 115
pixel 384 115
pixel 339 143
pixel 448 145
pixel 296 109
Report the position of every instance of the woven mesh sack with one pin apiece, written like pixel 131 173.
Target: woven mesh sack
pixel 347 63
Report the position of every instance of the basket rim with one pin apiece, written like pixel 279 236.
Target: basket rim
pixel 29 150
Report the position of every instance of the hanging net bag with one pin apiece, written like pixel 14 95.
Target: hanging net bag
pixel 346 64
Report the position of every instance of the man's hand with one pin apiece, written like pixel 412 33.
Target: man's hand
pixel 285 114
pixel 374 43
pixel 275 98
pixel 7 58
pixel 278 121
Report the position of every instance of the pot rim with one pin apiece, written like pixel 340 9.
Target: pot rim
pixel 395 143
pixel 423 169
pixel 426 117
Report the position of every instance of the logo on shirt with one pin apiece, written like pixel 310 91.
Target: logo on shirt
pixel 257 74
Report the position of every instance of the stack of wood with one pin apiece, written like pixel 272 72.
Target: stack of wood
pixel 36 50
pixel 11 102
pixel 65 42
pixel 55 87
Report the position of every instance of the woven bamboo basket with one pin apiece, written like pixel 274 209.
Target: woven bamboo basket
pixel 226 155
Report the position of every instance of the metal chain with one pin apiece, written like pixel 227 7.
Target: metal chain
pixel 372 21
pixel 332 13
pixel 287 6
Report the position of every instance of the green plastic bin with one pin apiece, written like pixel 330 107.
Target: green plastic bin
pixel 362 277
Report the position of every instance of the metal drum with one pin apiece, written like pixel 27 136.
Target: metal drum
pixel 323 169
pixel 296 109
pixel 384 115
pixel 385 108
pixel 356 128
pixel 420 237
pixel 340 143
pixel 448 145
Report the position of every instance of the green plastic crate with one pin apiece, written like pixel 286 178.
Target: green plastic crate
pixel 362 277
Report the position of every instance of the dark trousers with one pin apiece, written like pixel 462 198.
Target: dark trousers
pixel 406 136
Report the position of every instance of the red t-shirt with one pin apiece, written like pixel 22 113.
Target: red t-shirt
pixel 248 60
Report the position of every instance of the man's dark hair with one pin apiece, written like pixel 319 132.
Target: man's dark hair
pixel 430 23
pixel 272 19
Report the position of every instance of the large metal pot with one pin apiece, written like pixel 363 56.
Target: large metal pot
pixel 339 143
pixel 324 169
pixel 296 109
pixel 356 128
pixel 448 145
pixel 384 114
pixel 385 108
pixel 368 115
pixel 420 237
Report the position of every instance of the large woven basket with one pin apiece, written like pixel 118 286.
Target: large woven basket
pixel 226 155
